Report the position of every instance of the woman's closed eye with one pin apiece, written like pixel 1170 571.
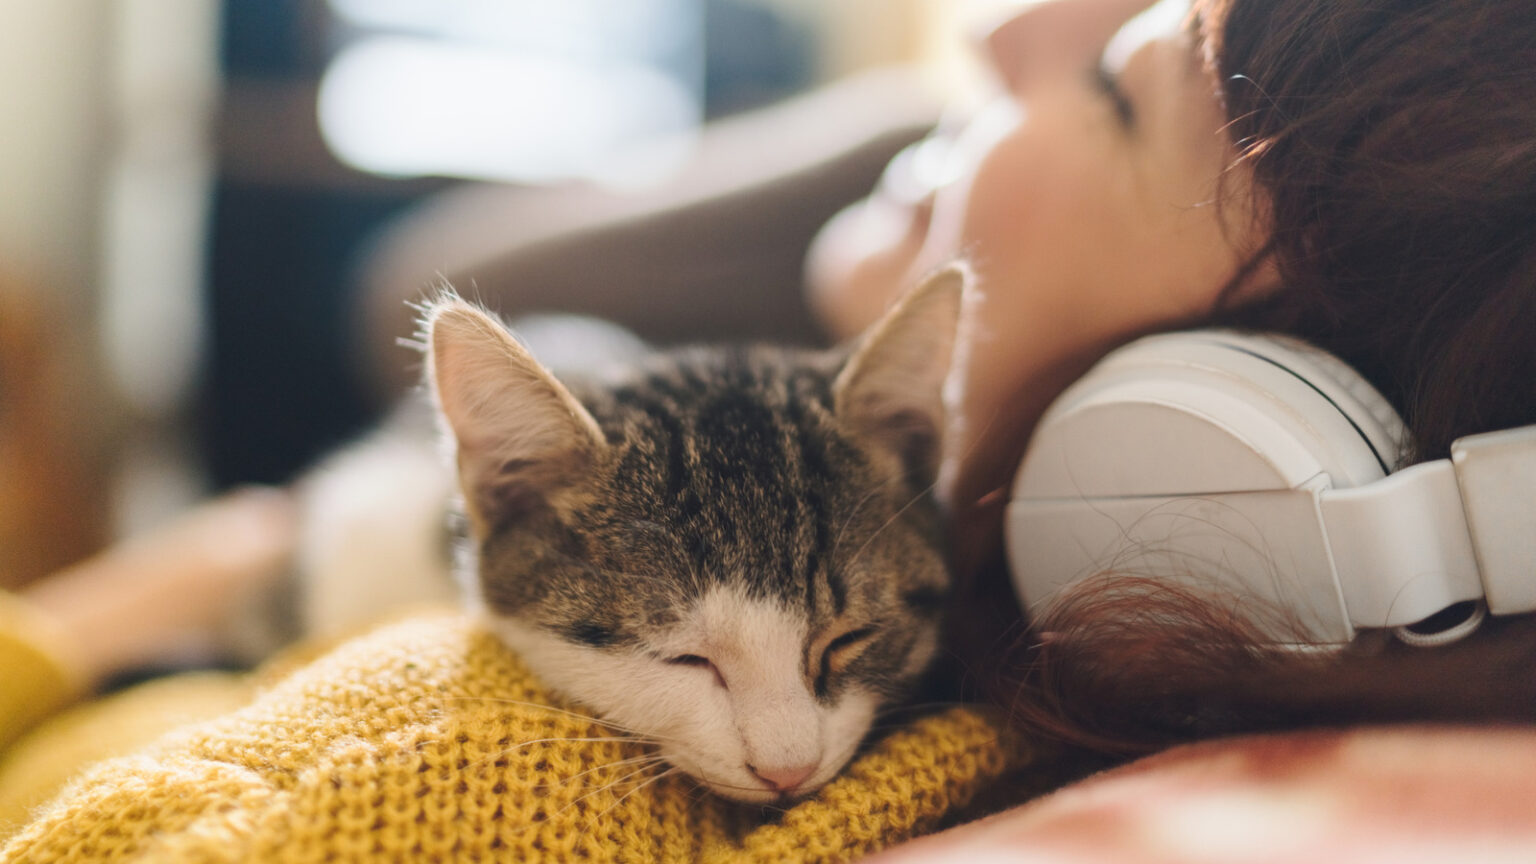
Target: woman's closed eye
pixel 841 651
pixel 699 662
pixel 1107 84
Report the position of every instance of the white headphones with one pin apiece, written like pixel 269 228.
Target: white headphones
pixel 1262 470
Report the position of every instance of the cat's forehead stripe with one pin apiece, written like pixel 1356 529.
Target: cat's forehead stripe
pixel 808 578
pixel 839 589
pixel 672 437
pixel 749 437
pixel 742 469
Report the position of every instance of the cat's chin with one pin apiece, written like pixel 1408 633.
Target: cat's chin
pixel 755 796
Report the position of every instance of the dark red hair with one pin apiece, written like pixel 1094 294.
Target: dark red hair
pixel 1394 147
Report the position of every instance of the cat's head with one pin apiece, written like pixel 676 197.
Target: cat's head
pixel 732 552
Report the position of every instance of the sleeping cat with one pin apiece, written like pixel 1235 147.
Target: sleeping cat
pixel 730 551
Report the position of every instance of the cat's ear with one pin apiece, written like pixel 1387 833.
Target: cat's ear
pixel 891 388
pixel 518 432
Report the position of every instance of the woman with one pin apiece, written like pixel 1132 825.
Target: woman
pixel 1355 172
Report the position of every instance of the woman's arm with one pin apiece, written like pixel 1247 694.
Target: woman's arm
pixel 157 596
pixel 716 253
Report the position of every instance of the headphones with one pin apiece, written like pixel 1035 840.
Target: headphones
pixel 1263 472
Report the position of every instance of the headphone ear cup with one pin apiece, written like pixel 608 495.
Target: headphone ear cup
pixel 1336 381
pixel 1210 411
pixel 1165 460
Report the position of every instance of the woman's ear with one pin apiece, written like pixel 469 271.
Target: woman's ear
pixel 517 432
pixel 891 390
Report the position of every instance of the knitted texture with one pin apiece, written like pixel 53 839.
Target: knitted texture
pixel 428 740
pixel 36 767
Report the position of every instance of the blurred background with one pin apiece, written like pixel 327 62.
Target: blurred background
pixel 192 191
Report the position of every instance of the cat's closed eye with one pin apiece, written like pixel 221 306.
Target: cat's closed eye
pixel 840 651
pixel 699 662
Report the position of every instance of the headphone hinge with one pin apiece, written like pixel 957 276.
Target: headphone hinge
pixel 1400 546
pixel 1496 474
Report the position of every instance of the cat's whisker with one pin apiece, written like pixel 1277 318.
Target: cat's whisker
pixel 598 739
pixel 639 736
pixel 614 784
pixel 668 772
pixel 588 739
pixel 695 793
pixel 503 753
pixel 927 490
pixel 550 709
pixel 838 543
pixel 639 786
pixel 891 521
pixel 644 761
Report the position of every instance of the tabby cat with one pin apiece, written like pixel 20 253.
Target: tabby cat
pixel 730 551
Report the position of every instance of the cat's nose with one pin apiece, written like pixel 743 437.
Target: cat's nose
pixel 783 778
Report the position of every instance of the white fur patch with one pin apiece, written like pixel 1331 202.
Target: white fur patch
pixel 764 716
pixel 372 540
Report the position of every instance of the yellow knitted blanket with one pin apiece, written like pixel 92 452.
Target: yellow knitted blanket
pixel 428 740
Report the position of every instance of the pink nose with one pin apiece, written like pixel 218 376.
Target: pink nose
pixel 783 778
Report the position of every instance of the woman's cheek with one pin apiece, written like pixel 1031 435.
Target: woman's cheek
pixel 1034 215
pixel 1037 321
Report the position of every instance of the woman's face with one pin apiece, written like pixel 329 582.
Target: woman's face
pixel 1083 193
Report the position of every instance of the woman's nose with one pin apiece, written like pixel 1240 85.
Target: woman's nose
pixel 1041 38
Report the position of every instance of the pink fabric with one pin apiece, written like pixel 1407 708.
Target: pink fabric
pixel 1370 795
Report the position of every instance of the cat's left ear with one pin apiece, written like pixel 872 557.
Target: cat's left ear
pixel 891 388
pixel 519 433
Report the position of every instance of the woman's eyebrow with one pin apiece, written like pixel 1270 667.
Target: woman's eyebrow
pixel 1200 59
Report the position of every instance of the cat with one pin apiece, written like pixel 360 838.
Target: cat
pixel 731 551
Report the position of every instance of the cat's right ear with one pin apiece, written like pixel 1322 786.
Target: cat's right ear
pixel 519 434
pixel 892 388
